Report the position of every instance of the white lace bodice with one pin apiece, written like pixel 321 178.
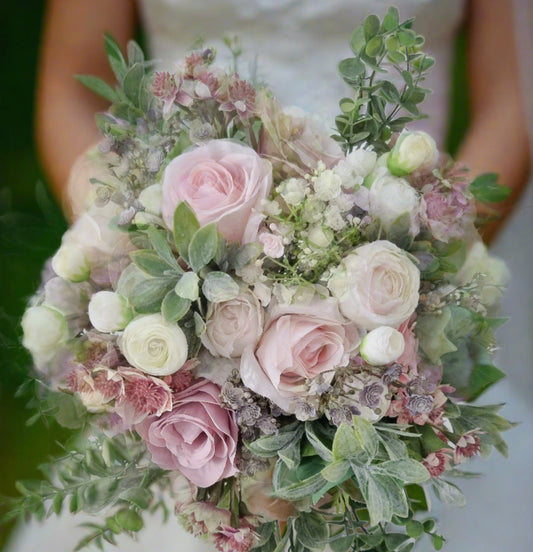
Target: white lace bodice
pixel 298 43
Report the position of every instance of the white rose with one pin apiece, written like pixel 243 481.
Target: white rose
pixel 390 197
pixel 376 285
pixel 233 325
pixel 492 273
pixel 153 345
pixel 293 190
pixel 412 151
pixel 151 198
pixel 109 311
pixel 327 185
pixel 45 330
pixel 71 263
pixel 382 346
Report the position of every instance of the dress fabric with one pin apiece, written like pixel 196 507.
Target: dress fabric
pixel 296 45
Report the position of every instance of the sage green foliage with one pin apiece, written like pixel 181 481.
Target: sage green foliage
pixel 111 474
pixel 378 108
pixel 485 188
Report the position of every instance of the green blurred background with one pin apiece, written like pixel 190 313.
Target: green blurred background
pixel 31 226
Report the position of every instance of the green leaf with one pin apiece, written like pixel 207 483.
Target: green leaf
pixel 438 541
pixel 358 40
pixel 447 492
pixel 173 307
pixel 373 46
pixel 311 530
pixel 482 377
pixel 414 528
pixel 485 188
pixel 407 37
pixel 116 59
pixel 317 436
pixel 57 503
pixel 371 26
pixel 132 83
pixel 290 455
pixel 336 472
pixel 150 262
pixel 147 295
pixel 346 444
pixel 138 496
pixel 430 330
pixel 219 286
pixel 159 242
pixel 351 69
pixel 269 445
pixel 135 53
pixel 99 86
pixel 391 19
pixel 367 436
pixel 203 247
pixel 187 286
pixel 241 256
pixel 129 520
pixel 407 470
pixel 185 226
pixel 303 489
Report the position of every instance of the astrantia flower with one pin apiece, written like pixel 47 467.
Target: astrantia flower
pixel 165 88
pixel 202 518
pixel 240 97
pixel 232 539
pixel 467 446
pixel 438 462
pixel 96 388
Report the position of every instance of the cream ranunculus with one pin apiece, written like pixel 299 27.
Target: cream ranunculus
pixel 412 151
pixel 153 345
pixel 376 285
pixel 391 197
pixel 233 325
pixel 71 263
pixel 382 346
pixel 45 331
pixel 109 311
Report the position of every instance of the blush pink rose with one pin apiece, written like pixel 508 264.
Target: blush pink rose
pixel 300 341
pixel 198 437
pixel 223 182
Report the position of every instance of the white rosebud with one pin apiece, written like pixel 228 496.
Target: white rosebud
pixel 376 285
pixel 327 185
pixel 293 190
pixel 109 311
pixel 71 263
pixel 319 236
pixel 382 346
pixel 153 345
pixel 412 151
pixel 151 198
pixel 391 197
pixel 45 330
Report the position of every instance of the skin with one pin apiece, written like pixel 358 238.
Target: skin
pixel 65 109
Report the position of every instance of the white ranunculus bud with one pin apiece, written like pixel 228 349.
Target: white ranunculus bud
pixel 151 198
pixel 390 197
pixel 376 285
pixel 45 330
pixel 109 311
pixel 412 151
pixel 71 263
pixel 153 345
pixel 382 346
pixel 327 185
pixel 319 236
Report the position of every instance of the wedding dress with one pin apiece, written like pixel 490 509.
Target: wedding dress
pixel 296 45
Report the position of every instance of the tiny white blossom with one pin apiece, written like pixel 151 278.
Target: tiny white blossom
pixel 313 210
pixel 293 190
pixel 327 185
pixel 333 218
pixel 270 208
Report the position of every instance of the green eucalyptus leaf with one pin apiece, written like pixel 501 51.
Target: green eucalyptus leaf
pixel 391 19
pixel 373 46
pixel 414 528
pixel 203 247
pixel 352 69
pixel 407 37
pixel 358 40
pixel 219 286
pixel 437 541
pixel 185 226
pixel 99 86
pixel 371 26
pixel 174 307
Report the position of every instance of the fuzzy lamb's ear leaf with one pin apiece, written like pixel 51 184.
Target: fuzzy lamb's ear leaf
pixel 185 226
pixel 203 247
pixel 98 86
pixel 116 59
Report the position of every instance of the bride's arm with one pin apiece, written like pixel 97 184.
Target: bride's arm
pixel 73 44
pixel 497 137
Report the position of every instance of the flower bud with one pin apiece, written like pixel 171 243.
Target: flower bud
pixel 412 151
pixel 109 311
pixel 71 263
pixel 151 198
pixel 382 345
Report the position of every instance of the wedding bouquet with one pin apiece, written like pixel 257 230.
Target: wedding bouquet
pixel 274 330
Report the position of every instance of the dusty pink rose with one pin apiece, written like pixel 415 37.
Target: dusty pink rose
pixel 198 437
pixel 300 341
pixel 223 182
